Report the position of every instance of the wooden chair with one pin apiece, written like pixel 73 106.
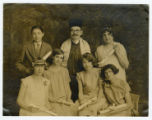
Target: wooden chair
pixel 135 101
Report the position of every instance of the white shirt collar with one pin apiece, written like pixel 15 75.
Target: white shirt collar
pixel 76 42
pixel 36 43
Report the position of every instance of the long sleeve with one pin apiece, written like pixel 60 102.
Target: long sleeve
pixel 47 94
pixel 122 55
pixel 21 95
pixel 100 93
pixel 20 62
pixel 80 87
pixel 67 78
pixel 50 97
pixel 102 101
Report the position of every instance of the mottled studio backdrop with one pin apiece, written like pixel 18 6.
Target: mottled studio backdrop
pixel 130 25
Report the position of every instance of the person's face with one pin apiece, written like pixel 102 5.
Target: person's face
pixel 86 64
pixel 107 37
pixel 58 59
pixel 38 70
pixel 109 74
pixel 37 35
pixel 76 32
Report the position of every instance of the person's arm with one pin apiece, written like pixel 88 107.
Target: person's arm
pixel 121 54
pixel 67 78
pixel 80 87
pixel 47 95
pixel 20 62
pixel 101 97
pixel 21 97
pixel 100 93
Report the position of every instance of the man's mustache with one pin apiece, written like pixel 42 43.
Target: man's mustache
pixel 74 35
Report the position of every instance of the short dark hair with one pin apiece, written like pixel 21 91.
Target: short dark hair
pixel 37 27
pixel 90 58
pixel 109 66
pixel 54 53
pixel 107 29
pixel 57 52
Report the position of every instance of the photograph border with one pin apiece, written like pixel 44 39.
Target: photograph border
pixel 75 2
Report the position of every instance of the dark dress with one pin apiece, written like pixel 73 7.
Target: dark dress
pixel 74 65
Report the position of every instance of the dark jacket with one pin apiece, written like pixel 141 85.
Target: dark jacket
pixel 28 55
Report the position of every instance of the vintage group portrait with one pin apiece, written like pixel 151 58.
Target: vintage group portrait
pixel 75 60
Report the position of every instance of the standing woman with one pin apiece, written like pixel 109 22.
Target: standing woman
pixel 59 89
pixel 112 52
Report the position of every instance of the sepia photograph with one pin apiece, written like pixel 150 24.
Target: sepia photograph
pixel 75 60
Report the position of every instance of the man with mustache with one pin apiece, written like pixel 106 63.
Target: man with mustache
pixel 73 49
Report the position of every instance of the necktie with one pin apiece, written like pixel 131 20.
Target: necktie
pixel 37 49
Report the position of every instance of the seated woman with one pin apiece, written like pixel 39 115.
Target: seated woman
pixel 90 88
pixel 116 91
pixel 33 94
pixel 59 89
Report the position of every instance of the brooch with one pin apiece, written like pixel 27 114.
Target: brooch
pixel 45 82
